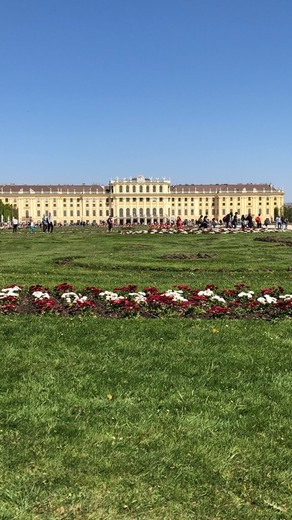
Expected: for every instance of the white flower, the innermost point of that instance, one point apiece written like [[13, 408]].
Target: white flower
[[267, 299], [70, 295], [175, 295], [248, 294], [218, 298], [82, 299], [207, 292], [262, 300], [40, 295], [286, 297], [12, 288], [138, 297]]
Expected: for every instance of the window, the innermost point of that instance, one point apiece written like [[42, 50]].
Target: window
[[127, 189], [64, 213], [160, 189], [71, 200], [71, 213], [147, 189], [127, 200], [121, 199], [141, 189], [87, 213], [154, 189], [134, 189], [38, 213], [78, 213], [121, 189]]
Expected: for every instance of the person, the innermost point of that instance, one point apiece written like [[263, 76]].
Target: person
[[110, 224], [258, 221], [234, 220], [279, 222], [243, 223], [50, 223], [31, 226], [14, 224], [179, 223], [213, 222], [266, 222], [44, 223], [249, 221]]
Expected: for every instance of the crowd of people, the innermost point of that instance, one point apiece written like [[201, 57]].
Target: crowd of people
[[229, 221], [243, 222]]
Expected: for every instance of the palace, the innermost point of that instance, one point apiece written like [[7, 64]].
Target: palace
[[140, 200]]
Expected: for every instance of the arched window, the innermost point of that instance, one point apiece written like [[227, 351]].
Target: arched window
[[148, 212], [154, 189], [141, 189], [154, 212], [147, 189], [161, 189], [127, 188], [134, 189], [161, 212], [121, 213], [128, 212], [134, 212], [121, 189]]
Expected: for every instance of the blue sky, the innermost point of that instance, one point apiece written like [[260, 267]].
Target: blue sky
[[198, 91]]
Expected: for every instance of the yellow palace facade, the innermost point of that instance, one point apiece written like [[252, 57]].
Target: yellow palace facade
[[140, 200]]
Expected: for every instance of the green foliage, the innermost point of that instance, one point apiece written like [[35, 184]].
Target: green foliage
[[287, 212], [7, 212]]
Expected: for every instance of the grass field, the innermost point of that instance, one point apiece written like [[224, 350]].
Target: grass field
[[145, 419]]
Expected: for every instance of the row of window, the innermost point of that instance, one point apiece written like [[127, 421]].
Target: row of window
[[141, 189]]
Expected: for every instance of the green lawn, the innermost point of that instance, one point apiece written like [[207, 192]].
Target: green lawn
[[144, 419]]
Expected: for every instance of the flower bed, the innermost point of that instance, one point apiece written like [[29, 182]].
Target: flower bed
[[127, 301], [164, 229]]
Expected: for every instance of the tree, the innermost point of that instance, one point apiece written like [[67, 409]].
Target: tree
[[7, 212]]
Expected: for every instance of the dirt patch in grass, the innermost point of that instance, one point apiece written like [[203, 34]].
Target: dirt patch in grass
[[281, 241], [64, 261], [187, 256]]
